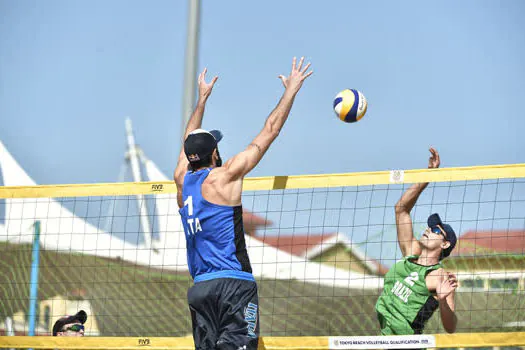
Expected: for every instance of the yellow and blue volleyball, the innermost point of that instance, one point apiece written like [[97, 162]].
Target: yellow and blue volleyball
[[350, 105]]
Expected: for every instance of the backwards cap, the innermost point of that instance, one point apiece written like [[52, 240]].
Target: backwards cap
[[200, 144]]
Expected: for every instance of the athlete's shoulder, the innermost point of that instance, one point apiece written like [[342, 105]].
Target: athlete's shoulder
[[216, 175], [437, 272], [221, 176], [435, 277]]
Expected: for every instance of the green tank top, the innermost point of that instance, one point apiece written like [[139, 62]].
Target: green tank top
[[406, 304]]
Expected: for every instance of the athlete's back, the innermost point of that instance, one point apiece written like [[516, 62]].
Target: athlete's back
[[214, 233]]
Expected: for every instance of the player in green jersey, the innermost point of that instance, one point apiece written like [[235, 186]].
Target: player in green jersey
[[417, 285]]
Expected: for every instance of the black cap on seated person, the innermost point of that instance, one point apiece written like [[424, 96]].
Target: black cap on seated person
[[79, 317], [200, 144], [434, 220]]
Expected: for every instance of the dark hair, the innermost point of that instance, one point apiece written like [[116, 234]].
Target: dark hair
[[205, 162], [445, 252]]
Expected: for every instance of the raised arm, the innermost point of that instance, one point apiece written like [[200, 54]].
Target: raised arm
[[241, 164], [405, 236], [445, 293], [195, 122]]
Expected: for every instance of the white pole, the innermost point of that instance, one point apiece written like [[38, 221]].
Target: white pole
[[135, 169], [191, 60], [9, 329]]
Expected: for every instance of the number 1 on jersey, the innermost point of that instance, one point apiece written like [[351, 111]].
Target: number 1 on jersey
[[193, 224], [189, 202]]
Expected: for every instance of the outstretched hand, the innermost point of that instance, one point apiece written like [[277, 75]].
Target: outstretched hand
[[433, 161], [298, 74], [204, 87]]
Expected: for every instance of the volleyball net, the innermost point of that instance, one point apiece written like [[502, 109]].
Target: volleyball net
[[319, 247]]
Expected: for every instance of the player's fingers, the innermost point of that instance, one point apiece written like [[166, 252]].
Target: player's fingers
[[283, 79], [300, 64], [202, 78], [293, 63], [308, 74], [306, 68], [214, 80]]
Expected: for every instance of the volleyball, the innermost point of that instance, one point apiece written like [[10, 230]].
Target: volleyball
[[350, 105]]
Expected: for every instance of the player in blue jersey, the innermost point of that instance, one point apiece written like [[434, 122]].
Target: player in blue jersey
[[223, 300]]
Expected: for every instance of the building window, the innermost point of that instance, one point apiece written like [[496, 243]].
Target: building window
[[504, 283], [476, 283], [47, 317]]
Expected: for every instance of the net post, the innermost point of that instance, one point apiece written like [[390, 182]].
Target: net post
[[33, 292]]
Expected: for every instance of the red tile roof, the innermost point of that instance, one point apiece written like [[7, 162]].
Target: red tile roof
[[252, 221], [296, 244], [491, 242], [381, 269], [301, 244]]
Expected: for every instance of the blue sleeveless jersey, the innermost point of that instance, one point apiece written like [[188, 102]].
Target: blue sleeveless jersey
[[214, 234]]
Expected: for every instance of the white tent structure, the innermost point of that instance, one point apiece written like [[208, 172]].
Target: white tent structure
[[61, 230]]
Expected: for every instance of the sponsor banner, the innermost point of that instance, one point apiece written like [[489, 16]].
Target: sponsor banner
[[383, 342]]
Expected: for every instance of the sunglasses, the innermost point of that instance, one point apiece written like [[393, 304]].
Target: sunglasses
[[437, 231], [74, 328]]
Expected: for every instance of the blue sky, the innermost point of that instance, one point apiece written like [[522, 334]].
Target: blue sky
[[448, 74]]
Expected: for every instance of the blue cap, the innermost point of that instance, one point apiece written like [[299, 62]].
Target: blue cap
[[434, 220]]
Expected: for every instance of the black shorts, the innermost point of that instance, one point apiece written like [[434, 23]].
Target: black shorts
[[224, 314]]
